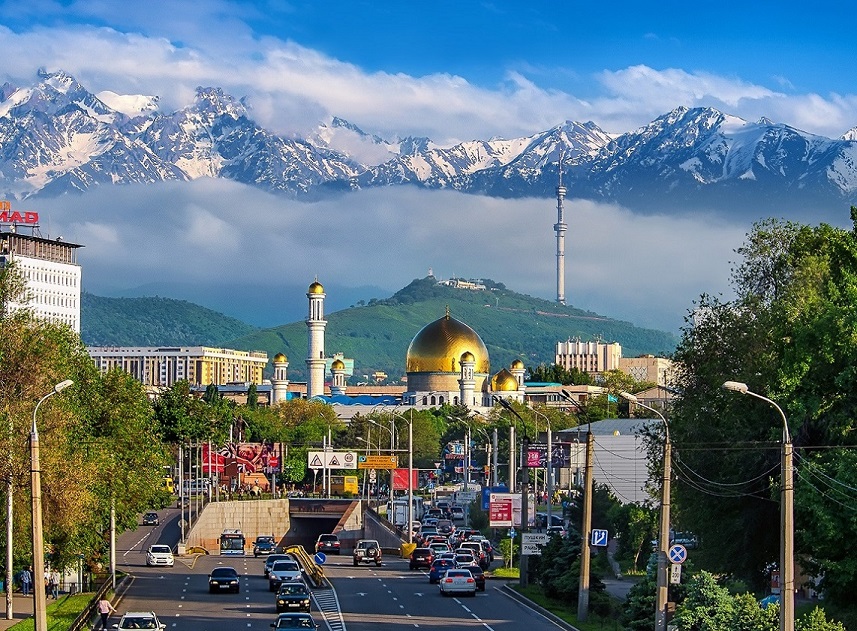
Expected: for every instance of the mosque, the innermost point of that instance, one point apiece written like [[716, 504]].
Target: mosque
[[446, 362]]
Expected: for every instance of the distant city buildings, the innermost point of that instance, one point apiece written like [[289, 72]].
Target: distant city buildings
[[595, 358], [199, 365], [49, 267]]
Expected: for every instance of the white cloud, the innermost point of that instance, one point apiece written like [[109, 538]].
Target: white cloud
[[618, 264]]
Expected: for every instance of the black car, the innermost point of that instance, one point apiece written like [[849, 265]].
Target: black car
[[293, 597], [294, 621], [478, 576], [223, 579], [421, 557], [151, 519], [329, 544], [263, 545]]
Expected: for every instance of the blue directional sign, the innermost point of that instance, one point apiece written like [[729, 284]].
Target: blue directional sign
[[677, 553], [512, 533], [320, 558], [599, 537]]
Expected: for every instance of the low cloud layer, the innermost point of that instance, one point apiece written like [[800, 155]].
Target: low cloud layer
[[212, 233]]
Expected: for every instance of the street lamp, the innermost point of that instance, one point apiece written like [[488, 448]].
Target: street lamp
[[787, 582], [664, 539], [549, 473], [40, 617], [410, 473]]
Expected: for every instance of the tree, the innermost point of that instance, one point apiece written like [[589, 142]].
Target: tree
[[707, 607]]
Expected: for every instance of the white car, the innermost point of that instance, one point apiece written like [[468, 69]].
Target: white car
[[284, 572], [457, 581], [159, 555], [140, 620]]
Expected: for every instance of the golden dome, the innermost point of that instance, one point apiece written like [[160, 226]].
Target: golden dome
[[439, 346], [279, 358], [316, 288], [504, 381], [517, 365], [467, 356], [337, 364]]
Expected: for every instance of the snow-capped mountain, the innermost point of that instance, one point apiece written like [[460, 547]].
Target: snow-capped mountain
[[57, 137]]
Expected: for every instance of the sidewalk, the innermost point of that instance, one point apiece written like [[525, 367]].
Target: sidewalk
[[22, 607]]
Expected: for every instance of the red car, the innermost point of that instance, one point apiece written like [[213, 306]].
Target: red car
[[422, 557]]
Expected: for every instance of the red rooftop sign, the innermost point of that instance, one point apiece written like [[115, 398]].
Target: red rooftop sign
[[7, 215]]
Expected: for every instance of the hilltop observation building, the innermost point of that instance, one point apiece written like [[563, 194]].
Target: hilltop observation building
[[48, 266]]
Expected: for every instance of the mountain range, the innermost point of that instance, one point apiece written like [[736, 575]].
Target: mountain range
[[57, 137]]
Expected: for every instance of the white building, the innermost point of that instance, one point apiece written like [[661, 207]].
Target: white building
[[49, 267]]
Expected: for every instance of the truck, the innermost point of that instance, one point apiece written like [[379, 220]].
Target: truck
[[400, 516]]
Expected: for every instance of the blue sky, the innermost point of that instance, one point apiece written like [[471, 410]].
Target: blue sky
[[452, 71]]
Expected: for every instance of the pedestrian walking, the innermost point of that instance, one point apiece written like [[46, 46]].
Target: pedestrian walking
[[54, 584], [26, 581], [104, 608]]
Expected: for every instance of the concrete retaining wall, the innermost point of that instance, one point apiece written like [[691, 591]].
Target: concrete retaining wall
[[252, 517]]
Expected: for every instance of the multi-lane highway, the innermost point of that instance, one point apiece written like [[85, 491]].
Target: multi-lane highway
[[390, 597]]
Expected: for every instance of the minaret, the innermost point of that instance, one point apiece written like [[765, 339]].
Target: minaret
[[315, 353], [560, 228], [280, 382], [467, 382], [337, 381]]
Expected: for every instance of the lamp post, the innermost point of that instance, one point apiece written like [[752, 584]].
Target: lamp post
[[410, 423], [787, 575], [549, 473], [664, 538], [40, 618]]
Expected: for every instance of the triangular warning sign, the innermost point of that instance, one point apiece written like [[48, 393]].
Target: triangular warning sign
[[334, 462], [316, 463]]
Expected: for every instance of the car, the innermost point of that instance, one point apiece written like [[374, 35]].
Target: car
[[294, 596], [151, 519], [264, 544], [367, 551], [158, 554], [445, 527], [439, 568], [457, 581], [223, 579], [457, 513], [329, 544], [284, 572], [294, 621], [479, 577], [421, 557], [464, 559], [139, 620], [474, 548], [440, 548], [559, 531], [273, 558]]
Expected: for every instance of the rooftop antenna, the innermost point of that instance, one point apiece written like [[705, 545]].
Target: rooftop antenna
[[560, 227]]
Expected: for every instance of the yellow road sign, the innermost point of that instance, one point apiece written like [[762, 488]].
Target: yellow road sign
[[377, 462]]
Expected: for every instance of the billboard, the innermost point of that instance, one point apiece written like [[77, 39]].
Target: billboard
[[400, 479], [537, 455], [501, 504], [252, 457]]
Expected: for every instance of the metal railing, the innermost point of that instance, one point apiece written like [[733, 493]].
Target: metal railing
[[83, 620]]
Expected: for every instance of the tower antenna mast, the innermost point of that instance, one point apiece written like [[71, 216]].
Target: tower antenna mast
[[560, 227]]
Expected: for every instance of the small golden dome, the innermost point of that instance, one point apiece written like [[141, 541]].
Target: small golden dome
[[337, 364], [517, 365], [316, 288], [467, 356], [438, 347], [504, 381], [280, 358]]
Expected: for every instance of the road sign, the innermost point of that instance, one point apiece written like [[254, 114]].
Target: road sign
[[532, 542], [512, 533], [320, 558], [675, 574], [677, 553], [373, 475], [599, 537], [332, 460], [377, 462]]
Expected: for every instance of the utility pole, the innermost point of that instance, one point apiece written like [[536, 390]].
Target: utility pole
[[583, 590], [525, 504]]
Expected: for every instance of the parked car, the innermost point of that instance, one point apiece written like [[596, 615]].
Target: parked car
[[329, 544], [151, 519], [284, 572], [293, 596], [159, 555], [139, 620], [457, 581], [421, 557], [439, 568], [294, 621], [223, 579], [367, 551], [264, 544]]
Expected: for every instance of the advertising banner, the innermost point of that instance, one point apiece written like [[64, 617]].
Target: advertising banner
[[561, 455], [400, 479], [500, 511], [515, 500], [250, 457]]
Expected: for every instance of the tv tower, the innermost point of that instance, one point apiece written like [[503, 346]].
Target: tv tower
[[560, 227]]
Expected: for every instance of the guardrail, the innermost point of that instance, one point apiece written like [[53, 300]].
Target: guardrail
[[311, 568]]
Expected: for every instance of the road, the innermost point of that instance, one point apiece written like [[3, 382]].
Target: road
[[390, 597]]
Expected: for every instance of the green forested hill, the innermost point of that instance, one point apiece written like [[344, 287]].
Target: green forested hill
[[376, 335], [154, 322]]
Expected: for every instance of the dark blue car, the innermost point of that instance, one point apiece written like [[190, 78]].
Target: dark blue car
[[439, 568]]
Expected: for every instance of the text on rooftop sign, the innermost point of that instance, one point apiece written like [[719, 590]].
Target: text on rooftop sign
[[7, 215]]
